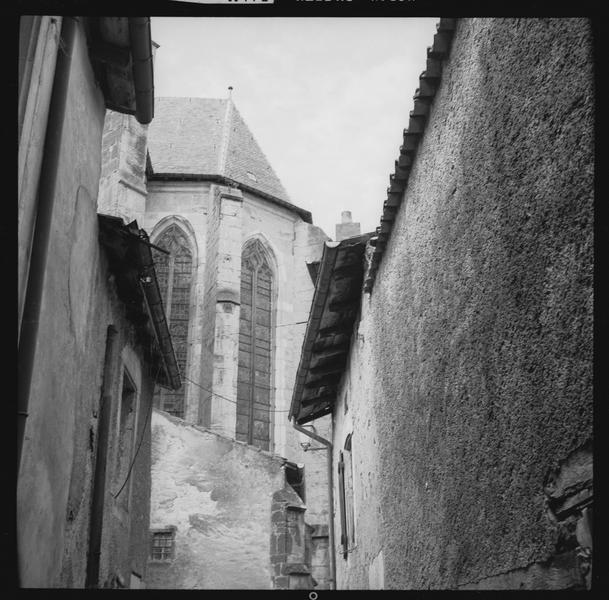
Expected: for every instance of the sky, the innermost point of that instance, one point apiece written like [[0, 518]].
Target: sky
[[326, 99]]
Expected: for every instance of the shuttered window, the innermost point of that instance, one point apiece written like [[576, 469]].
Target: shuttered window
[[255, 343], [174, 274], [345, 497]]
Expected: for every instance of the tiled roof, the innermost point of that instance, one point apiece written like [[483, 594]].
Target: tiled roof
[[429, 81], [208, 136], [336, 303]]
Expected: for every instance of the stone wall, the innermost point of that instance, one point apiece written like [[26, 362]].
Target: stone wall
[[218, 494], [186, 204], [122, 189], [471, 371]]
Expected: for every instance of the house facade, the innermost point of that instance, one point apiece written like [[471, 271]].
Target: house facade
[[453, 345]]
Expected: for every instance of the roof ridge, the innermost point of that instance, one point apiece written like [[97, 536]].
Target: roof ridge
[[225, 138], [209, 137], [267, 162]]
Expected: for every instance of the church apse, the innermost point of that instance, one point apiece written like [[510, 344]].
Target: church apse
[[250, 293]]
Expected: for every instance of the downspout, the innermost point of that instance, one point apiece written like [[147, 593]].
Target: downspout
[[143, 76], [40, 243], [328, 445]]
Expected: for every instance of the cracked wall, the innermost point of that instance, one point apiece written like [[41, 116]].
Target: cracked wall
[[217, 492]]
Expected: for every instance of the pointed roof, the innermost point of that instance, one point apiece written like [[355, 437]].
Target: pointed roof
[[208, 137]]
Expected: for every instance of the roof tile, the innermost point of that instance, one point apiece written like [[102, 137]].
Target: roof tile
[[208, 136]]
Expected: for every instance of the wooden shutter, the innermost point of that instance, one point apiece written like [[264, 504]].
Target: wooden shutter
[[255, 339], [341, 498]]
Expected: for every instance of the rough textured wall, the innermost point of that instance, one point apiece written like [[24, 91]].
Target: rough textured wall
[[478, 347], [355, 414], [217, 493]]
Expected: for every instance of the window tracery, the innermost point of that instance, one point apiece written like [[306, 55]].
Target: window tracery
[[255, 343], [174, 275]]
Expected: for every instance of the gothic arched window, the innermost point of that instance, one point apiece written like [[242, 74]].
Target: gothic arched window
[[174, 274], [255, 342]]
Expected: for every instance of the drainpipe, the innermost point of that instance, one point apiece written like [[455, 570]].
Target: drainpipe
[[143, 77], [42, 229], [328, 445]]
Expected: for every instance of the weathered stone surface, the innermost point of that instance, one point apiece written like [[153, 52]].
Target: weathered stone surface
[[221, 493], [471, 370], [562, 572]]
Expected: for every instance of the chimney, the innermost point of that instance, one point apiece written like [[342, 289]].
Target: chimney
[[346, 228]]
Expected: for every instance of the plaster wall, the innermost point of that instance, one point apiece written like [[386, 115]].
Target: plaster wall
[[217, 492], [38, 47], [78, 304], [470, 378]]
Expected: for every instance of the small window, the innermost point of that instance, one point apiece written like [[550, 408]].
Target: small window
[[162, 545], [251, 176]]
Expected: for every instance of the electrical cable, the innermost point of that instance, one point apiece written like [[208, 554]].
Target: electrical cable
[[223, 397], [140, 441]]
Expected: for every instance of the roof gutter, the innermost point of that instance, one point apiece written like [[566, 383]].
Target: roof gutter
[[154, 302], [328, 260], [143, 72], [227, 181], [142, 260]]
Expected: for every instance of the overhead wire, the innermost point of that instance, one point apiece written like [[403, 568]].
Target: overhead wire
[[140, 440], [224, 397]]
